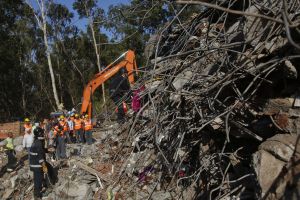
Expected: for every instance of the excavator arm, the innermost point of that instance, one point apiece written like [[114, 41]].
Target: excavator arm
[[126, 60]]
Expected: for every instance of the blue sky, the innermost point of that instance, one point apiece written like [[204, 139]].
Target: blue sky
[[81, 23]]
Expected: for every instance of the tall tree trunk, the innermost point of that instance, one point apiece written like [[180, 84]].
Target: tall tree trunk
[[91, 24], [43, 26]]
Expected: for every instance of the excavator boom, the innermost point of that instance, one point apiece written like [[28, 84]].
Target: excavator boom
[[126, 60]]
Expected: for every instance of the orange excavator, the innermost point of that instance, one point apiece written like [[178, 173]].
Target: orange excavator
[[126, 61]]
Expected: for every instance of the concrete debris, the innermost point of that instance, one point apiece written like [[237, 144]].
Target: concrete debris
[[7, 194], [272, 160], [162, 195], [227, 83], [74, 190]]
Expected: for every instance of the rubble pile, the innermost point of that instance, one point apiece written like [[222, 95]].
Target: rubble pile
[[222, 112], [84, 175]]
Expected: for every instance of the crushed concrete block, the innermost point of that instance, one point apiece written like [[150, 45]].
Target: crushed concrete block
[[13, 181], [7, 194], [162, 195], [270, 159], [181, 79], [74, 190], [290, 70], [19, 148]]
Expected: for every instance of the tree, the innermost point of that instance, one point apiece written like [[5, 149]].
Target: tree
[[88, 9], [40, 16], [134, 23]]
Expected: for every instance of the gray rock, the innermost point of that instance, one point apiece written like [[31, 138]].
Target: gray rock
[[182, 78], [74, 190], [7, 194], [19, 148], [141, 195], [25, 173], [13, 181], [276, 43], [161, 195], [269, 161], [290, 70]]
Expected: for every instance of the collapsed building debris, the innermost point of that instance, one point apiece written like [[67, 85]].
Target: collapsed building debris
[[220, 118], [220, 85]]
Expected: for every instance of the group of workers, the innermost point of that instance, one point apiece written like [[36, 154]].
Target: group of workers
[[49, 136], [62, 130]]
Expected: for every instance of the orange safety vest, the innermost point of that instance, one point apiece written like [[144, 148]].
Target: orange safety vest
[[57, 130], [124, 106], [27, 126], [77, 124], [64, 125], [88, 125]]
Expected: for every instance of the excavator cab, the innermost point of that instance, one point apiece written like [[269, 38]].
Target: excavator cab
[[126, 62]]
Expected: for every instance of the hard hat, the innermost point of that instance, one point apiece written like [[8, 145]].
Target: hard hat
[[86, 115], [62, 117], [26, 120], [76, 115]]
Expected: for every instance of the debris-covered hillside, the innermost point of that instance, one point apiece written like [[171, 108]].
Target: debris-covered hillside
[[222, 112], [220, 118]]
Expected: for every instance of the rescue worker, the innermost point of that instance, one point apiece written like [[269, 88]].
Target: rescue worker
[[78, 129], [82, 135], [65, 127], [27, 141], [10, 152], [88, 129], [36, 124], [27, 124], [38, 163], [121, 111], [118, 87], [51, 144], [42, 138], [60, 142], [71, 128]]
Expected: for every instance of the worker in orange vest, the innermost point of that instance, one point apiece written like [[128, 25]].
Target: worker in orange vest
[[65, 127], [88, 129], [78, 129], [60, 141], [27, 125]]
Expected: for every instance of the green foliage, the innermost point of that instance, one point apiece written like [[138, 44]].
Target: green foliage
[[25, 84]]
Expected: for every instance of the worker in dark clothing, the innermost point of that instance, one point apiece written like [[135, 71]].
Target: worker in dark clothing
[[60, 142], [37, 162], [119, 86]]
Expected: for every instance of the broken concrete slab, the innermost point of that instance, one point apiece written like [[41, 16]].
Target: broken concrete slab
[[7, 195], [181, 79], [162, 195], [74, 190], [271, 158]]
